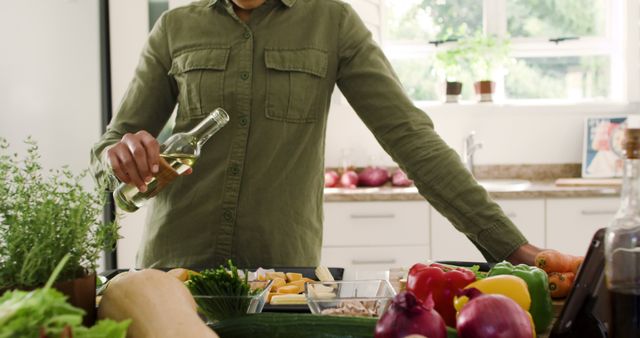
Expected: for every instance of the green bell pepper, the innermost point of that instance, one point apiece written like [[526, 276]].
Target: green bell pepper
[[538, 283]]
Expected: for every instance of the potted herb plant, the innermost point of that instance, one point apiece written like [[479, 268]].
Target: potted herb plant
[[450, 64], [45, 215], [488, 56]]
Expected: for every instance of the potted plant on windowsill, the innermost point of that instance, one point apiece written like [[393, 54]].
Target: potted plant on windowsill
[[450, 64], [45, 215], [488, 57]]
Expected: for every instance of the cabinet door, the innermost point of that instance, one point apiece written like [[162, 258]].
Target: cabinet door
[[450, 244], [571, 222], [373, 262], [376, 223]]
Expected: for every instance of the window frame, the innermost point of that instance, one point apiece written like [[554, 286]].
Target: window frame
[[621, 42]]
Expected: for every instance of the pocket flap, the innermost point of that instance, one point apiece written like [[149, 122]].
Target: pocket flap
[[312, 61], [211, 58]]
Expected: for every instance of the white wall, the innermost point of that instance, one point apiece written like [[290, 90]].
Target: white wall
[[510, 134], [50, 78], [129, 24]]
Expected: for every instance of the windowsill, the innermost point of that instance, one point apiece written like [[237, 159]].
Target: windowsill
[[530, 106]]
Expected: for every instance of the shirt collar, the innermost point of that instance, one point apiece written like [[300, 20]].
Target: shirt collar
[[288, 3]]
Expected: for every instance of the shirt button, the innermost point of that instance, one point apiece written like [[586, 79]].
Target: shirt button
[[235, 170], [246, 35], [244, 121], [244, 76], [228, 215]]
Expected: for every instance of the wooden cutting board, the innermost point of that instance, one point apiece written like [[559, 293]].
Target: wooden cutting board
[[588, 182]]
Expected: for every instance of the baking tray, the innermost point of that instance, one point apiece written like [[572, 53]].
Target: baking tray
[[484, 266], [308, 272]]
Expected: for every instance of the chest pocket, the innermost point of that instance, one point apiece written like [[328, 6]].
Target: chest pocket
[[200, 78], [295, 91]]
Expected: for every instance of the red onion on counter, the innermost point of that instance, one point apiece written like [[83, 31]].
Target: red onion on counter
[[492, 316], [349, 179], [373, 176], [407, 315], [400, 179], [331, 179]]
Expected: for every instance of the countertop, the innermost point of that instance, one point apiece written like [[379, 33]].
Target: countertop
[[537, 189], [542, 178]]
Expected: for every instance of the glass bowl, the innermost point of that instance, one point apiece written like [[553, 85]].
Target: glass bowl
[[360, 298], [215, 308]]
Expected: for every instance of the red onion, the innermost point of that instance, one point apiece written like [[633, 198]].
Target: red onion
[[331, 179], [492, 316], [373, 176], [400, 179], [349, 179], [407, 315]]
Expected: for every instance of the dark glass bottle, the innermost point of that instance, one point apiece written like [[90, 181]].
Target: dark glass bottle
[[622, 247]]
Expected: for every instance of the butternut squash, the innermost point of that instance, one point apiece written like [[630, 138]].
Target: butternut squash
[[158, 303]]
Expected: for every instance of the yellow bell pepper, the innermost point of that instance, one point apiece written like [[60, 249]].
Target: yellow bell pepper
[[506, 285]]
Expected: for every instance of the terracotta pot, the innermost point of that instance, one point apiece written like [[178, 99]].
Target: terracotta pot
[[453, 91], [80, 292], [484, 90]]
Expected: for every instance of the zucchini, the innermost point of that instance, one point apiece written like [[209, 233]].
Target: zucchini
[[285, 325]]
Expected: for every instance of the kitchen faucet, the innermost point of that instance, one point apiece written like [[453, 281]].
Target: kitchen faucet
[[469, 150]]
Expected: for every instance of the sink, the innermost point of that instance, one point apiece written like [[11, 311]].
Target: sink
[[505, 184]]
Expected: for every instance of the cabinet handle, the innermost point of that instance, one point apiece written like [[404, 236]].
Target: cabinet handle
[[365, 216], [597, 212], [370, 262]]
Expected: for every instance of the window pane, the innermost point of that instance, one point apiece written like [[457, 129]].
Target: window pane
[[575, 77], [555, 18], [417, 78], [422, 84], [427, 20]]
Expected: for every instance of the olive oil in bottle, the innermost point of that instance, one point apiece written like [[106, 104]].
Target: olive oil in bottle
[[622, 247], [178, 154]]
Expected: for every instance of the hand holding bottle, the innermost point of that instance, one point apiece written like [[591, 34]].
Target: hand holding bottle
[[145, 167], [135, 159]]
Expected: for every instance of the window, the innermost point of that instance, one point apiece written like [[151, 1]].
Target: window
[[558, 49]]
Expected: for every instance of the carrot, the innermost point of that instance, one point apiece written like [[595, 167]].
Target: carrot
[[560, 283], [555, 261], [576, 263]]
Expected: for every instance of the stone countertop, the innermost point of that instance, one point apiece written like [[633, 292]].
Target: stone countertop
[[541, 176], [537, 189]]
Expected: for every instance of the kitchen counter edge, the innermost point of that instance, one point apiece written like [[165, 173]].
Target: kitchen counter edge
[[541, 189]]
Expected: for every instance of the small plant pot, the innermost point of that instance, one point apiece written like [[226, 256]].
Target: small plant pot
[[484, 90], [453, 91], [81, 293]]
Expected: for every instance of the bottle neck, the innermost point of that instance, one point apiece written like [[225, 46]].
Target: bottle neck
[[209, 126], [630, 194]]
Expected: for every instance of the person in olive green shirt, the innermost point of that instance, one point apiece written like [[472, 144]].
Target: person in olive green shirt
[[256, 194]]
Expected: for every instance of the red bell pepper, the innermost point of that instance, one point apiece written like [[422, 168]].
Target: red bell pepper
[[442, 282]]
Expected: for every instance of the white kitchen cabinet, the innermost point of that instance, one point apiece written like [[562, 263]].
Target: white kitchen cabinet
[[372, 262], [365, 237], [376, 223], [571, 222], [447, 243]]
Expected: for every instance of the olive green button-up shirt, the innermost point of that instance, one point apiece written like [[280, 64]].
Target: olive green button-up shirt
[[256, 193]]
